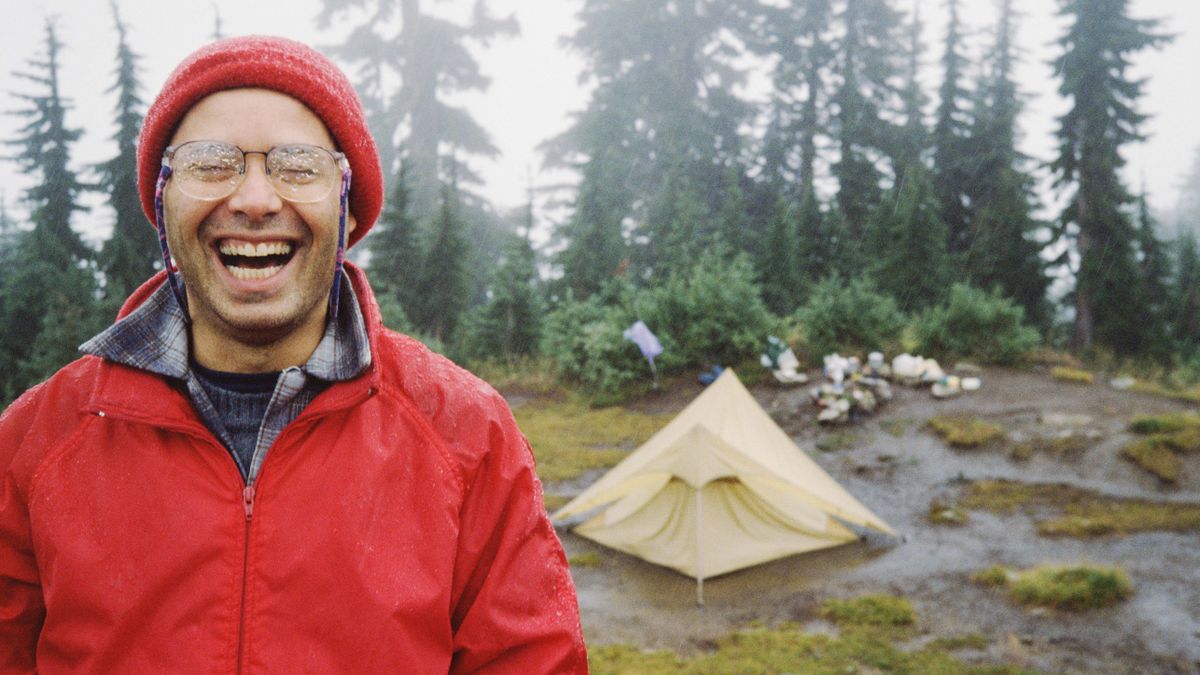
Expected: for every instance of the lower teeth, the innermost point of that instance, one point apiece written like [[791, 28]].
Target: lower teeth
[[248, 273]]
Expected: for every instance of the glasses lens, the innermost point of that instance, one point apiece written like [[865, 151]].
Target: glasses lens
[[302, 173], [208, 169]]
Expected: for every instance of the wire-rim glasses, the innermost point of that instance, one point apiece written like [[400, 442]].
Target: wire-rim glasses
[[213, 170]]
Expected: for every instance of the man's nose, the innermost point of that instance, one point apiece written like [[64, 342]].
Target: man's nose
[[255, 197]]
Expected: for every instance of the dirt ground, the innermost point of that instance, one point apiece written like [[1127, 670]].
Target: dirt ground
[[896, 466]]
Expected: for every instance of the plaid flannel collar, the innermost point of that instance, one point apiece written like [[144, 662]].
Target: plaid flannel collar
[[154, 338]]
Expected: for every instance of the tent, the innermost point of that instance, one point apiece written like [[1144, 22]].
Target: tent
[[718, 489]]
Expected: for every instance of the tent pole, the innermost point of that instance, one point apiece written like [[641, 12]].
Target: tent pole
[[699, 548]]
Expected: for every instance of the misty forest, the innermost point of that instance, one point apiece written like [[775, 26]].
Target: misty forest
[[858, 209]]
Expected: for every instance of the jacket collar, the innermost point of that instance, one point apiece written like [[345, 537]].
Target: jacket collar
[[146, 353]]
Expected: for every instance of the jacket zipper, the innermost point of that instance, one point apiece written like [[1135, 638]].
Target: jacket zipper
[[248, 504]]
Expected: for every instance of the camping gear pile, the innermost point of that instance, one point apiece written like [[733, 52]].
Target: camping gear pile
[[779, 358], [916, 371], [851, 389], [720, 488]]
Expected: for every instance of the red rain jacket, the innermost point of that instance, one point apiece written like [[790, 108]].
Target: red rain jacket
[[396, 526]]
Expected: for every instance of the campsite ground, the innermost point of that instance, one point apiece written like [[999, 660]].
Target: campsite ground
[[896, 466]]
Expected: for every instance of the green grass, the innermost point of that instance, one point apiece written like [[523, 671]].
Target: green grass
[[1158, 424], [789, 649], [1186, 393], [1075, 375], [876, 611], [1071, 588], [569, 438], [588, 559], [1154, 456], [996, 575], [965, 432], [896, 427], [1063, 511]]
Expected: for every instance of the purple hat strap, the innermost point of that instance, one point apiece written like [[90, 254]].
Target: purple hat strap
[[335, 293], [160, 225]]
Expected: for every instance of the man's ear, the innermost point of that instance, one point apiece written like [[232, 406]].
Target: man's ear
[[351, 223]]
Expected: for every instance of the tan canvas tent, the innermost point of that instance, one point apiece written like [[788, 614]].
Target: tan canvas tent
[[720, 488]]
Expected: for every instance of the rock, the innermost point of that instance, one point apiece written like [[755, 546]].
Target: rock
[[1122, 383]]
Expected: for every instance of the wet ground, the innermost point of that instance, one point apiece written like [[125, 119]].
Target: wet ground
[[896, 466]]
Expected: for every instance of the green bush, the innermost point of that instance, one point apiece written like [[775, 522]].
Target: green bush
[[586, 343], [975, 324], [712, 313], [850, 317]]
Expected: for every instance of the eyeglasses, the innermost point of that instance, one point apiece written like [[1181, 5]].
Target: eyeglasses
[[212, 170]]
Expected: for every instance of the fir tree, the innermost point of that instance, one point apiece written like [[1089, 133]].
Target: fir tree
[[1003, 252], [444, 288], [909, 241], [1185, 294], [47, 292], [1097, 48], [1154, 270], [406, 79], [130, 255], [778, 269], [396, 255], [951, 157], [867, 64], [913, 138]]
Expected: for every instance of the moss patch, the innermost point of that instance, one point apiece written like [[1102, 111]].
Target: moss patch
[[1059, 446], [1191, 394], [941, 513], [1065, 511], [1075, 375], [1154, 456], [1158, 424], [588, 559], [1072, 588], [788, 649], [996, 575], [870, 610], [965, 432], [568, 438]]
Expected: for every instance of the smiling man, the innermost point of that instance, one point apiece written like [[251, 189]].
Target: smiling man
[[247, 472]]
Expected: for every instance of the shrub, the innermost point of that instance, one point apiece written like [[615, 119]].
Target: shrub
[[1072, 588], [851, 317], [978, 325], [713, 313], [585, 341]]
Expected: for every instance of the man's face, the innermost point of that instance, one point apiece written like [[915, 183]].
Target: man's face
[[249, 298]]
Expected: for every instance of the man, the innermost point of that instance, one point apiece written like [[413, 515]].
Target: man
[[247, 472]]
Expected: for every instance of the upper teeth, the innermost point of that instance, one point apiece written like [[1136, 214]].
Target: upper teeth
[[256, 250]]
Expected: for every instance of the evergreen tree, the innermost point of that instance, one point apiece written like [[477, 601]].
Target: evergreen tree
[[407, 77], [396, 255], [1187, 211], [662, 123], [1003, 251], [47, 291], [951, 158], [867, 64], [1097, 48], [1185, 294], [444, 287], [1154, 270], [130, 255], [909, 240], [778, 269], [509, 325], [913, 138]]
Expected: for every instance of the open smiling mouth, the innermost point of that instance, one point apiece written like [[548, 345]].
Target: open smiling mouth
[[255, 261]]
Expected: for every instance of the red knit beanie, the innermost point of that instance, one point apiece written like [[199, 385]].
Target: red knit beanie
[[281, 65]]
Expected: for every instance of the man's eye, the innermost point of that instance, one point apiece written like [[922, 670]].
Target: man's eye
[[297, 175], [211, 170]]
